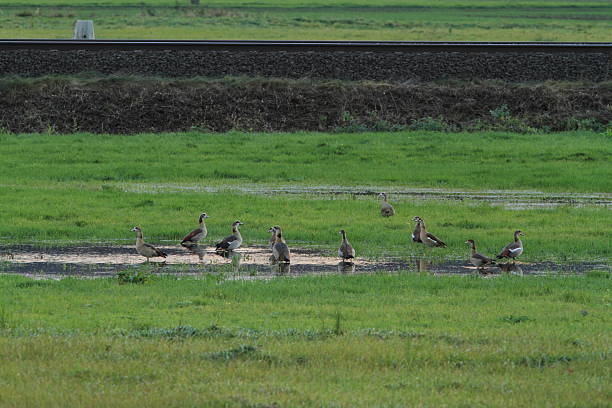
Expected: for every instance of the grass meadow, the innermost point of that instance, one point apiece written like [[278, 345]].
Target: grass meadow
[[382, 339], [61, 189], [537, 20], [377, 340]]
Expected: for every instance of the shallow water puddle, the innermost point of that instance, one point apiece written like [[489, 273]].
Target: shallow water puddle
[[515, 200], [246, 263]]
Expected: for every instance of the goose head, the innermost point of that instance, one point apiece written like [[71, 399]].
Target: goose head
[[417, 219], [136, 229], [236, 224], [383, 196], [470, 242], [272, 229], [518, 233], [204, 215]]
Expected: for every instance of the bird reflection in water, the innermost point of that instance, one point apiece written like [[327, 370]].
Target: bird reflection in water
[[421, 264], [280, 268], [236, 258], [346, 267], [513, 268], [196, 250]]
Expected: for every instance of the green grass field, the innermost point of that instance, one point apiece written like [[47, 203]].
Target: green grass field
[[318, 20], [380, 340], [58, 189]]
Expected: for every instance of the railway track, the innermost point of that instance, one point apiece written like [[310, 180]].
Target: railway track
[[324, 46]]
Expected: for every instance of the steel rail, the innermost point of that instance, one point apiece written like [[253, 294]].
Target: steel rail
[[328, 46]]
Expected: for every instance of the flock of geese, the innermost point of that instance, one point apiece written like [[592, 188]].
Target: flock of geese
[[281, 253]]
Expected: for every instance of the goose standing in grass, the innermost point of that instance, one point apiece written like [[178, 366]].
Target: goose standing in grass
[[416, 234], [144, 249], [231, 242], [280, 250], [197, 234], [386, 209], [426, 238], [273, 237], [346, 250], [478, 260], [513, 249]]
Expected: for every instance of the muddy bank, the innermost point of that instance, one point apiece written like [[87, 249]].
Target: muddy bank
[[147, 105], [246, 263], [345, 65]]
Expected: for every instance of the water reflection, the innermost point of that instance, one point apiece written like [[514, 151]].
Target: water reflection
[[512, 268], [236, 258], [280, 268], [345, 267], [421, 264], [196, 250]]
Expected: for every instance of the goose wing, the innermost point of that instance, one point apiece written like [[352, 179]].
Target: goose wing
[[227, 241], [347, 251], [157, 251], [387, 210], [416, 234], [485, 259], [281, 252], [508, 250], [192, 234], [435, 240]]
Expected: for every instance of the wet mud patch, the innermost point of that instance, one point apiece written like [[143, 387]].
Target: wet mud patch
[[245, 263]]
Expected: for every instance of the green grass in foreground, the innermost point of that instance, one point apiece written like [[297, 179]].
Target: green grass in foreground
[[89, 188], [380, 340], [319, 20]]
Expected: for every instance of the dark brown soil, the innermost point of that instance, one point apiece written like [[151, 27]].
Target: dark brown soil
[[344, 65], [132, 105]]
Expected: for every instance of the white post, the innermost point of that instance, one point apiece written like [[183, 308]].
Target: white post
[[83, 30]]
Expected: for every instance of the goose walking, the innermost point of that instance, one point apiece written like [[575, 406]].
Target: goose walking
[[280, 250], [144, 249], [478, 260], [231, 242], [426, 238], [513, 249], [197, 234], [386, 209], [416, 234], [346, 250]]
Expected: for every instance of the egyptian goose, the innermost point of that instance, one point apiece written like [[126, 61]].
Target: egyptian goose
[[416, 234], [428, 239], [197, 234], [513, 249], [346, 250], [280, 250], [386, 209], [233, 241], [478, 260], [273, 237], [144, 249]]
